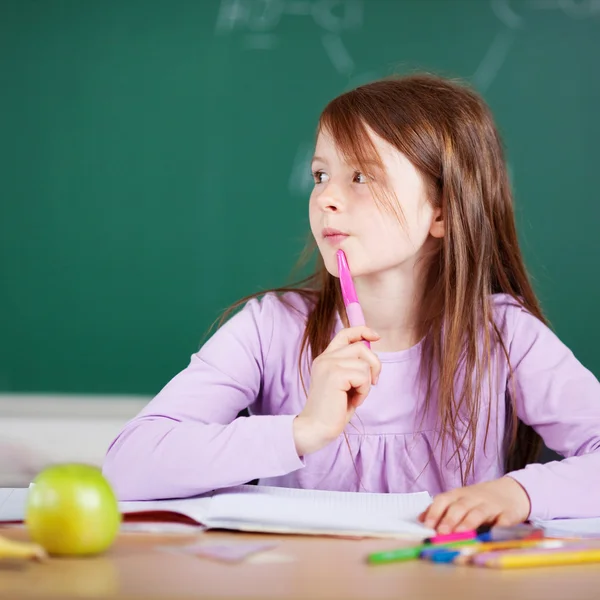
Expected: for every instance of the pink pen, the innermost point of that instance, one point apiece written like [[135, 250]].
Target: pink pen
[[353, 309], [457, 536]]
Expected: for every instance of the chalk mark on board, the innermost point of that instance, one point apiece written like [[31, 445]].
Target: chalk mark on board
[[230, 11], [255, 15], [258, 19], [577, 9], [504, 11], [324, 15], [300, 181], [498, 51], [494, 59], [338, 54]]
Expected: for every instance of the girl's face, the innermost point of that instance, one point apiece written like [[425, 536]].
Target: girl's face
[[344, 214]]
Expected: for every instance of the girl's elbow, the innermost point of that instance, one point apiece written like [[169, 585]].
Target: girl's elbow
[[126, 469]]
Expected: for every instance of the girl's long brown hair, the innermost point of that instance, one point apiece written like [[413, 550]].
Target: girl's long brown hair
[[448, 133]]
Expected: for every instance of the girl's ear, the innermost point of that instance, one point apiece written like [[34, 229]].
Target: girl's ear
[[437, 229]]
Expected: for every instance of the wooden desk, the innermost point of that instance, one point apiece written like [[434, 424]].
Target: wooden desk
[[300, 568]]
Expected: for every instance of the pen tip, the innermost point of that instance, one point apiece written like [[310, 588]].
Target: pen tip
[[342, 261]]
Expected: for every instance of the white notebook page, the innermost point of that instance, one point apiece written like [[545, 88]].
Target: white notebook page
[[571, 527], [264, 508], [13, 502]]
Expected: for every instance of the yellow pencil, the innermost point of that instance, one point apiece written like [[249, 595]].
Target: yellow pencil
[[466, 554], [543, 559]]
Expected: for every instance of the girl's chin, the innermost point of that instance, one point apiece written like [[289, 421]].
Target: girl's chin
[[332, 269]]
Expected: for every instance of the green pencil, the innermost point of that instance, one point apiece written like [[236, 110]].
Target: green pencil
[[412, 552]]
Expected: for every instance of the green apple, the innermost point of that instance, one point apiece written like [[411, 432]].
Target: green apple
[[72, 510]]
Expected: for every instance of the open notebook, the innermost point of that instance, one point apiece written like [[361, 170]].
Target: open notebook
[[287, 510], [273, 509]]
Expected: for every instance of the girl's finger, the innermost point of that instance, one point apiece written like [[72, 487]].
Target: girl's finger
[[478, 515], [359, 350], [360, 385], [436, 510], [353, 372], [350, 335], [454, 514]]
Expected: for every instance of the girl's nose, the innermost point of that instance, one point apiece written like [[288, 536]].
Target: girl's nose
[[331, 200]]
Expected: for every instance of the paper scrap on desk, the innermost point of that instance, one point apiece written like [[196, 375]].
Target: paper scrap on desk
[[227, 552]]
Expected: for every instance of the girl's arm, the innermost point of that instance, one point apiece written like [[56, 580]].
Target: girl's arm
[[188, 439], [560, 399]]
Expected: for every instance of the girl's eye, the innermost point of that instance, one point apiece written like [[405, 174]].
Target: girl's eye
[[322, 177], [319, 177], [360, 177]]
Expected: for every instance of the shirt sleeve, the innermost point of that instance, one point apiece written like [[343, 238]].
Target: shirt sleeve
[[560, 399], [188, 440]]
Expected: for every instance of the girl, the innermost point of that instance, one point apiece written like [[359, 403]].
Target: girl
[[462, 377]]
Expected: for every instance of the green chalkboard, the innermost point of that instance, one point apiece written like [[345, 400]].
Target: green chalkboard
[[154, 161]]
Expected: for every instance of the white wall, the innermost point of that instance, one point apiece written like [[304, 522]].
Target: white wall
[[36, 431]]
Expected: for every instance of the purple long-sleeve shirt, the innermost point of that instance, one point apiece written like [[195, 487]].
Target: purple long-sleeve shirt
[[189, 440]]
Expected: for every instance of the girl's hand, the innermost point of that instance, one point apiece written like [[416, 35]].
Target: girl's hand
[[340, 381], [500, 502]]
